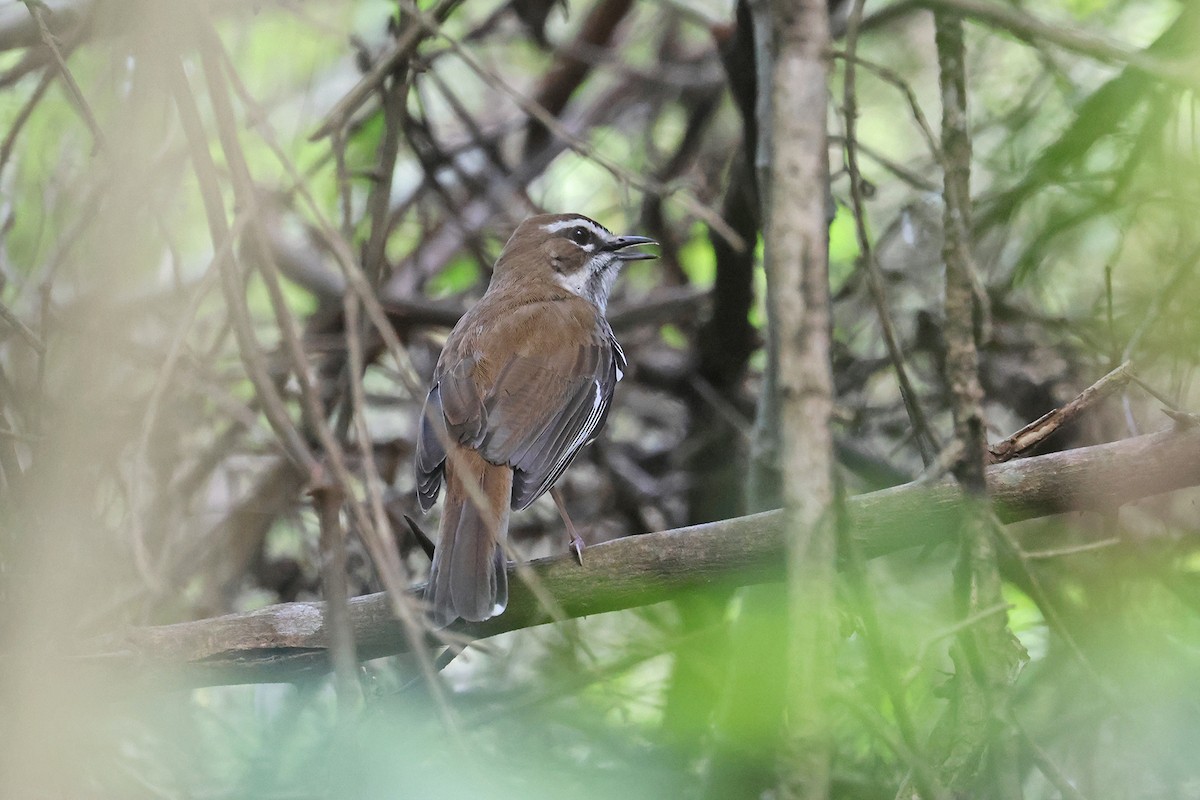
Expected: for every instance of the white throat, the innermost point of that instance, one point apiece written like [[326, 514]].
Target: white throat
[[594, 281]]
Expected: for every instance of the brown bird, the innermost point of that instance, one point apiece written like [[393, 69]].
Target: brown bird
[[523, 383]]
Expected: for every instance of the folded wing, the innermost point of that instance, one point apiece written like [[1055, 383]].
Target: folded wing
[[539, 411]]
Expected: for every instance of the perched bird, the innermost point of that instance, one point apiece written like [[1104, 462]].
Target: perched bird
[[523, 383]]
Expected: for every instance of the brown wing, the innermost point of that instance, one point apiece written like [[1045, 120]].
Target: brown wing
[[572, 387], [453, 412]]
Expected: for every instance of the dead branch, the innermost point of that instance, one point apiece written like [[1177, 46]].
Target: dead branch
[[1046, 425]]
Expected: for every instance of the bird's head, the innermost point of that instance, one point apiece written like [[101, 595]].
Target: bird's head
[[571, 250]]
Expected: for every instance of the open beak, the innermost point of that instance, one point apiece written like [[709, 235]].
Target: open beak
[[621, 242]]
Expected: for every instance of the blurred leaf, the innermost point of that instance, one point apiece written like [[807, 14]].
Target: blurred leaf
[[697, 257], [458, 276]]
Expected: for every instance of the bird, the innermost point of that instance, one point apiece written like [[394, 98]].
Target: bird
[[524, 381]]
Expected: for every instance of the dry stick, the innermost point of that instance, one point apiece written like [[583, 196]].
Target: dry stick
[[403, 49], [327, 500], [290, 639], [392, 100], [1046, 765], [386, 558], [249, 349], [1036, 432], [1053, 619], [950, 630], [26, 332], [73, 91], [927, 442], [356, 281], [18, 123], [248, 346], [478, 137], [919, 767], [337, 144], [141, 556], [552, 124], [430, 157], [358, 405], [1060, 552], [890, 76], [355, 276], [497, 195], [923, 775], [1023, 441], [380, 542], [382, 528], [909, 176]]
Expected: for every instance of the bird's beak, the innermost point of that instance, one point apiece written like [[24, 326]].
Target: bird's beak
[[621, 242]]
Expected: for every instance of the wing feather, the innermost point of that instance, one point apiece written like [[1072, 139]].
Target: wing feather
[[538, 412]]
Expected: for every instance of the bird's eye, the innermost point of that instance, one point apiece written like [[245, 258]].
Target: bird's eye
[[579, 236]]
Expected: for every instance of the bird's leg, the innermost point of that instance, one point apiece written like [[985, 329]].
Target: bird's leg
[[576, 544]]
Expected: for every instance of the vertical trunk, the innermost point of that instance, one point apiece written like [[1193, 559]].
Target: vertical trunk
[[796, 247], [974, 733]]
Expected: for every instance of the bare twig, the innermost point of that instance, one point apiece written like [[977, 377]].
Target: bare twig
[[850, 54], [154, 405], [1094, 45], [1042, 428], [214, 207], [1060, 552], [339, 248], [18, 123], [20, 327], [552, 124], [37, 9], [904, 173], [327, 500], [383, 550], [1047, 766], [388, 64], [927, 442]]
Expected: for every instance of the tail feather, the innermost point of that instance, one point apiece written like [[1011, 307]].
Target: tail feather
[[469, 576]]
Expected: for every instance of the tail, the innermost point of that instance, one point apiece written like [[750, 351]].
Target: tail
[[469, 576]]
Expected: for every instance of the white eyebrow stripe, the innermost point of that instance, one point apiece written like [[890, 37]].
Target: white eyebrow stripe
[[562, 224]]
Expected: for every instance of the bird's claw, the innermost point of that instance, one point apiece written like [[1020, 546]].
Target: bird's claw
[[577, 547]]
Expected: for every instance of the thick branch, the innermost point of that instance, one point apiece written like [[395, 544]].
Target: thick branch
[[285, 641]]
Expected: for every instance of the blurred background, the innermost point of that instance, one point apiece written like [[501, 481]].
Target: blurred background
[[233, 237]]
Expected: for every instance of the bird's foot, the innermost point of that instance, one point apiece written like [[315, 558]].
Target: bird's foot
[[577, 547]]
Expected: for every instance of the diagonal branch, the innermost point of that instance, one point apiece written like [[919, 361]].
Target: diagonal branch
[[288, 641]]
